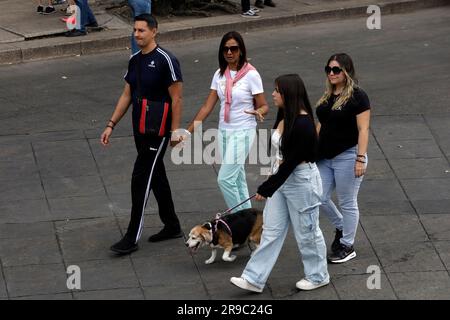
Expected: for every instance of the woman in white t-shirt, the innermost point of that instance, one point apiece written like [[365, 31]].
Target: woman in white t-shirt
[[239, 88]]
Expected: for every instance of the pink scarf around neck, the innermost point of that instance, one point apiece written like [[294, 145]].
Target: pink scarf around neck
[[230, 83]]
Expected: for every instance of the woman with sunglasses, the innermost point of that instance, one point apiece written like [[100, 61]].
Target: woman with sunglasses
[[344, 114], [293, 191], [239, 88]]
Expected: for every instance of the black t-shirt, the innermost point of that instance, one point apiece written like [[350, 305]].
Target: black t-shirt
[[338, 128], [302, 148], [159, 69]]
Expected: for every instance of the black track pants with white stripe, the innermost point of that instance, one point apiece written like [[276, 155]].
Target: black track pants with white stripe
[[149, 174]]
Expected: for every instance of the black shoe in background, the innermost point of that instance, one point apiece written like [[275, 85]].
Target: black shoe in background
[[342, 254], [124, 246], [40, 9], [259, 4], [49, 10], [270, 3], [75, 33], [165, 234], [337, 241], [92, 25]]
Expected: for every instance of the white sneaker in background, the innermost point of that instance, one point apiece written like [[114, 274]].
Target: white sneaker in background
[[250, 14]]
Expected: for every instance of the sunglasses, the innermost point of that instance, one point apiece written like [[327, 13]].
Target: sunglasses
[[336, 70], [233, 49]]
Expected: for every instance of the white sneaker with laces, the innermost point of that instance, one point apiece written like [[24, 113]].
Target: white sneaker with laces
[[250, 14], [255, 9], [244, 284], [308, 285]]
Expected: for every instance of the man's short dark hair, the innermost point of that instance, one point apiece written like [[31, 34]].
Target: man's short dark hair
[[147, 17]]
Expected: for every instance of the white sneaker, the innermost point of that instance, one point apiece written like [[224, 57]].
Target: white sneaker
[[255, 9], [250, 14], [244, 284], [308, 285]]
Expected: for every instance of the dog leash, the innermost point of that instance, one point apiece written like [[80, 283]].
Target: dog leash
[[221, 214]]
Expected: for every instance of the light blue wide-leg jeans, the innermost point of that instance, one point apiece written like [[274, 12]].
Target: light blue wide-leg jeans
[[297, 202]]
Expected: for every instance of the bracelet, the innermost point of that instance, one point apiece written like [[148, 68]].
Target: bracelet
[[361, 155], [357, 160], [112, 122], [109, 126]]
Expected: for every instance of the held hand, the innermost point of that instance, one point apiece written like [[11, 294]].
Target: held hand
[[174, 143], [175, 140], [104, 139], [259, 197], [179, 135], [360, 169], [257, 114]]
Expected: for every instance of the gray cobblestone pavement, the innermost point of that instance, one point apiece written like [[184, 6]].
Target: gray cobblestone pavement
[[64, 199]]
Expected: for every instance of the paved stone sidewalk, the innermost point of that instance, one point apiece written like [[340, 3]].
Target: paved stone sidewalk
[[64, 199], [26, 35]]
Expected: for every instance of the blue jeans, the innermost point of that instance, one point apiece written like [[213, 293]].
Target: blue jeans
[[86, 15], [138, 7], [339, 173], [234, 146], [296, 201]]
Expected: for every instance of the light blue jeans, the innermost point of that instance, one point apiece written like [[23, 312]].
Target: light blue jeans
[[138, 7], [86, 15], [339, 173], [296, 201], [234, 146]]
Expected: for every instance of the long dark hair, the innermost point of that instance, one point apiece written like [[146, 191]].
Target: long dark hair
[[295, 99], [242, 57]]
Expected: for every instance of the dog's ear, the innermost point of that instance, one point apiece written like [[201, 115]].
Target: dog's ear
[[207, 225]]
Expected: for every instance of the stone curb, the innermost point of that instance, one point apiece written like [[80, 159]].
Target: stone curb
[[119, 39], [201, 32]]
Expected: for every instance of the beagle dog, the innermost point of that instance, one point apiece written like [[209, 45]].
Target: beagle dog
[[227, 232]]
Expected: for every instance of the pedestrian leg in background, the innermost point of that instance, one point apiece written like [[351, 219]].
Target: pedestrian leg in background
[[87, 19], [138, 7], [247, 12]]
